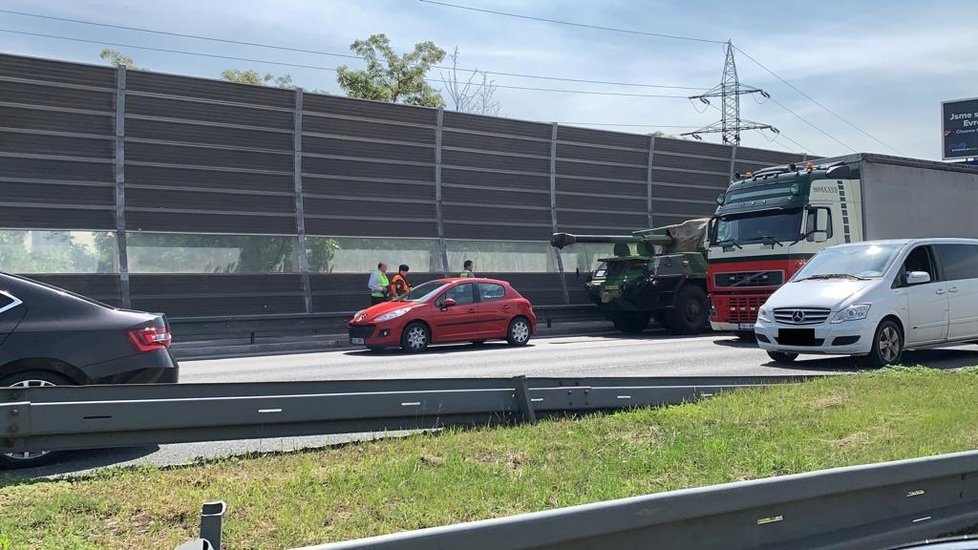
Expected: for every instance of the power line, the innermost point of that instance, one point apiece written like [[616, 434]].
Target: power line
[[330, 54], [678, 37], [813, 125], [572, 24], [800, 146], [624, 125], [816, 102], [303, 66]]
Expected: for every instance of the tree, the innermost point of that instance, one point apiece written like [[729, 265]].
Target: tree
[[475, 95], [252, 77], [117, 59], [390, 77]]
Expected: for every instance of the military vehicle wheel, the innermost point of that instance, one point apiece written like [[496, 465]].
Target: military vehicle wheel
[[632, 322], [690, 313]]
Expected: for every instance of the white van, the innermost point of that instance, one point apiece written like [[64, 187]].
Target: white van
[[875, 299]]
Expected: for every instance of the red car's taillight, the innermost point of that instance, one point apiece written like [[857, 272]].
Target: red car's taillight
[[150, 338]]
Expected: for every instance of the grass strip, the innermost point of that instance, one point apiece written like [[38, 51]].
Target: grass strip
[[372, 488]]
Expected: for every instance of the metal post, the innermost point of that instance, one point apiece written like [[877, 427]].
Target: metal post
[[648, 182], [553, 210], [120, 184], [211, 519], [733, 163], [300, 216], [523, 396], [442, 245]]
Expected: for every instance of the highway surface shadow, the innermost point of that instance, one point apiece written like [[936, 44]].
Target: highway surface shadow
[[76, 462], [937, 358], [436, 349]]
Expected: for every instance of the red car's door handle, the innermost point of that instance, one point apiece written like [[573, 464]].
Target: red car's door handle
[[471, 310], [506, 307]]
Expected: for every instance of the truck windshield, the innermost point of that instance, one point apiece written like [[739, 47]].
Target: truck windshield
[[755, 227], [861, 261]]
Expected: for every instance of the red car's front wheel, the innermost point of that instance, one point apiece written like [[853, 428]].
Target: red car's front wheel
[[415, 338]]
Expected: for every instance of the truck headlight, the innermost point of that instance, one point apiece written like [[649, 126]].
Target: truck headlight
[[852, 313], [764, 314]]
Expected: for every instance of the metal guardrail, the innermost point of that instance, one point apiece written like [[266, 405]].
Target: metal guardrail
[[84, 417], [255, 327], [873, 506]]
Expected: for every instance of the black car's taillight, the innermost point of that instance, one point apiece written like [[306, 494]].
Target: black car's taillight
[[150, 338]]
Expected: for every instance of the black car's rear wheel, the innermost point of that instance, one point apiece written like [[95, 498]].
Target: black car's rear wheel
[[30, 379]]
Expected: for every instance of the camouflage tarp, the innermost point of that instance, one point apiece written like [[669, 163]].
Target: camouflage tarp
[[689, 236]]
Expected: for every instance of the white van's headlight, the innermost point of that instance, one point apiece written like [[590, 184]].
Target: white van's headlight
[[764, 314], [852, 313]]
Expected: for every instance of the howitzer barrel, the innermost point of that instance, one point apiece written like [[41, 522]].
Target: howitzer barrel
[[560, 240]]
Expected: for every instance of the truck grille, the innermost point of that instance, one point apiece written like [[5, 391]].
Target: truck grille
[[801, 315], [749, 279], [744, 310]]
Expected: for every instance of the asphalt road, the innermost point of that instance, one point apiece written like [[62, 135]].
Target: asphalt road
[[608, 355], [653, 354]]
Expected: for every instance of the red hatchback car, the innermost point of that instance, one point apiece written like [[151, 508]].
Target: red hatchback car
[[447, 310]]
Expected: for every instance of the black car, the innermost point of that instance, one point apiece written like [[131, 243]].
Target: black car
[[50, 336]]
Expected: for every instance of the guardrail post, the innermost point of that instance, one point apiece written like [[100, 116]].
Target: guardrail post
[[523, 396], [211, 520]]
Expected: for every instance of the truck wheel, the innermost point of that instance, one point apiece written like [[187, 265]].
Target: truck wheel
[[631, 322], [690, 313], [887, 346], [782, 356]]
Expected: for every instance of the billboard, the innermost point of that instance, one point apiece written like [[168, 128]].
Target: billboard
[[960, 124]]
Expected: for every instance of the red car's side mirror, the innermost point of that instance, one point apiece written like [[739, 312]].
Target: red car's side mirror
[[448, 303]]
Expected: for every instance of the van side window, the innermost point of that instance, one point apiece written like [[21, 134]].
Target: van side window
[[960, 261], [919, 260]]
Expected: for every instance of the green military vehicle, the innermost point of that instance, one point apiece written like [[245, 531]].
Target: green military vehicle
[[655, 273]]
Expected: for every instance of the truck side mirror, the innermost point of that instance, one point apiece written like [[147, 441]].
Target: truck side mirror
[[819, 225]]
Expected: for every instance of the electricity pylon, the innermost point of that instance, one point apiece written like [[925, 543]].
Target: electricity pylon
[[729, 91]]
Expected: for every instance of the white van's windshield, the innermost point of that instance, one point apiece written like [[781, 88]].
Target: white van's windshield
[[866, 261]]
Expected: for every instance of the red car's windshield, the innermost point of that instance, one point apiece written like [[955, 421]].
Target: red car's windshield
[[422, 292]]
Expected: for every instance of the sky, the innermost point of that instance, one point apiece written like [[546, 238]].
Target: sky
[[874, 72]]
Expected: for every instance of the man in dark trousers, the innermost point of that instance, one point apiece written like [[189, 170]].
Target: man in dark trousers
[[467, 269], [378, 284], [399, 284]]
